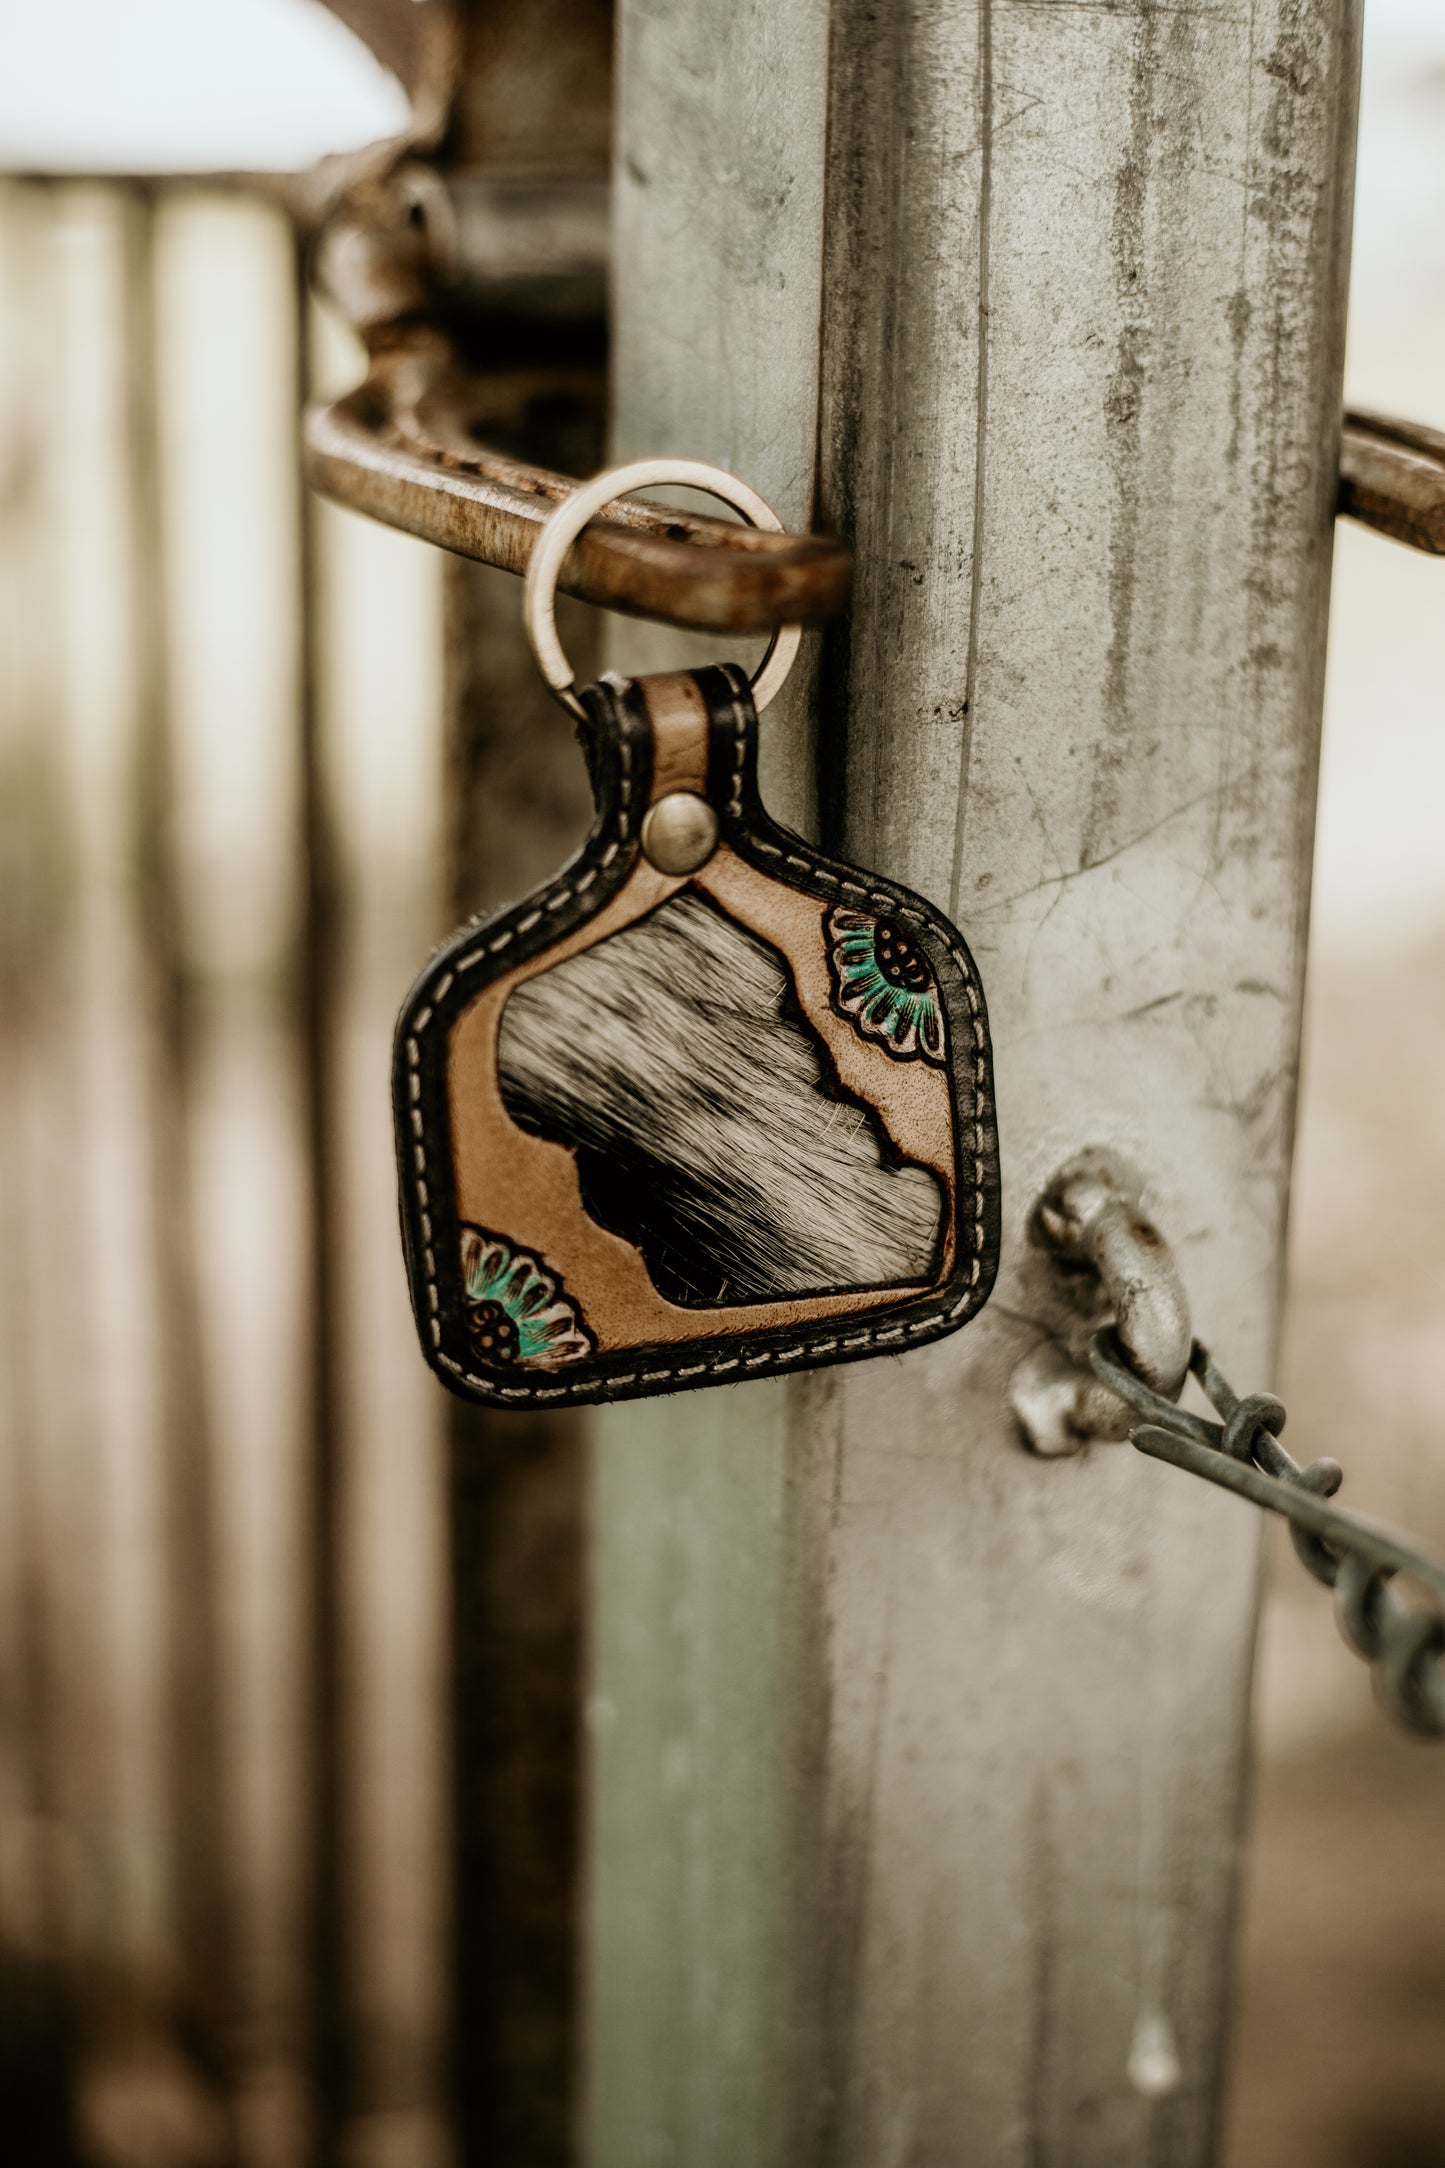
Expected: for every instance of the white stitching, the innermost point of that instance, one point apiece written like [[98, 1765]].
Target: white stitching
[[740, 745]]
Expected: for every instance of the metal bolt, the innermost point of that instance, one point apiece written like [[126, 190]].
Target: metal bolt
[[1090, 1216], [679, 833]]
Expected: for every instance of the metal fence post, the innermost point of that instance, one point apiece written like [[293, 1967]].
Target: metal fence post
[[917, 1763]]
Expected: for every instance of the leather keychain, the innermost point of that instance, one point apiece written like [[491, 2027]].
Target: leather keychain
[[709, 1106]]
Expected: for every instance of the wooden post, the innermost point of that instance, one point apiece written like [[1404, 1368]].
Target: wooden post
[[917, 1763], [534, 100], [518, 800]]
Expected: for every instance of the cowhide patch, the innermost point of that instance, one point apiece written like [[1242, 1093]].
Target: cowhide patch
[[708, 1126]]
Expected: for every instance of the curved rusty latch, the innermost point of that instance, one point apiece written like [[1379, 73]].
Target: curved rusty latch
[[405, 448], [436, 444], [401, 449], [479, 293], [1392, 478]]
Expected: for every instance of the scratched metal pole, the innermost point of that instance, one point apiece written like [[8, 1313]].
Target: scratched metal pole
[[917, 1763]]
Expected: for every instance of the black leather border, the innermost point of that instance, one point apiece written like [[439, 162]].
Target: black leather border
[[620, 754]]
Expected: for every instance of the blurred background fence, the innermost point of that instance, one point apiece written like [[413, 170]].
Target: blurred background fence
[[221, 1566], [225, 1778]]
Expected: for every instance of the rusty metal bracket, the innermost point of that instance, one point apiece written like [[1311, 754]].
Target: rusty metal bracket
[[481, 301], [1392, 478], [403, 449], [1091, 1221]]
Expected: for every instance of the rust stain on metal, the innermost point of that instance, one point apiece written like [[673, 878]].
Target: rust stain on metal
[[400, 449], [1392, 478], [467, 383]]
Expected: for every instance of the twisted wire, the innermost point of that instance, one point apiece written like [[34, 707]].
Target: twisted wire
[[1403, 1641]]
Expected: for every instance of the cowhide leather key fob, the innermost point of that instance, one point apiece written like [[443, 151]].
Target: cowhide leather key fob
[[711, 1106]]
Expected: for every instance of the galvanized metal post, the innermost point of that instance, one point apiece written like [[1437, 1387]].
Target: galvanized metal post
[[917, 1763]]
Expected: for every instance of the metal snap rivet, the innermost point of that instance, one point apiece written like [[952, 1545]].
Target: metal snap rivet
[[679, 833]]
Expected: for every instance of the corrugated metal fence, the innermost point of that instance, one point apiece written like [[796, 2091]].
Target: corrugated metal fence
[[221, 1475]]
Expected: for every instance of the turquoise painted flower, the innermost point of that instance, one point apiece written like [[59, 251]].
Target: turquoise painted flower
[[516, 1309], [883, 983]]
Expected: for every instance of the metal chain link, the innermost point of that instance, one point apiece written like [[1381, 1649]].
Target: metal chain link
[[1090, 1220], [1358, 1559]]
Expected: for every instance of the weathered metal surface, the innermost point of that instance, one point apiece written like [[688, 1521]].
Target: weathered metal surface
[[1392, 478], [915, 1777]]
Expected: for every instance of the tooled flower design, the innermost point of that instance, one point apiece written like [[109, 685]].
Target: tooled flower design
[[884, 983], [516, 1309]]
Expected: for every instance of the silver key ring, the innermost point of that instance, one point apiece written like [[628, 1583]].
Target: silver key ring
[[561, 528]]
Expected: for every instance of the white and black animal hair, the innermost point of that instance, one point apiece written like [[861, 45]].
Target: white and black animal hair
[[709, 1127]]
